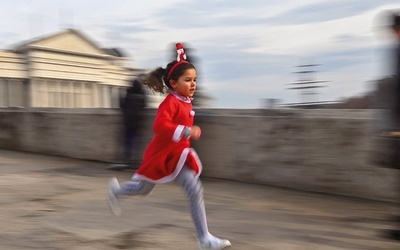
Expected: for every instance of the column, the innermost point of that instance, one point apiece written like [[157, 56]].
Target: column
[[33, 93], [58, 94], [72, 93]]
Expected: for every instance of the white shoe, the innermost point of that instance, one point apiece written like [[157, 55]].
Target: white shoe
[[112, 198], [213, 243]]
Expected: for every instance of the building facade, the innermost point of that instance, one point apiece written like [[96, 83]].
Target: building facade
[[64, 70]]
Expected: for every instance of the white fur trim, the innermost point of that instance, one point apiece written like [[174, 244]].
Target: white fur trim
[[178, 168], [178, 133]]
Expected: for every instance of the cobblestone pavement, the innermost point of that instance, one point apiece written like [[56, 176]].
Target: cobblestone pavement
[[59, 203]]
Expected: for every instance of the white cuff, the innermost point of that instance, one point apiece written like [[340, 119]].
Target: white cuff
[[178, 133]]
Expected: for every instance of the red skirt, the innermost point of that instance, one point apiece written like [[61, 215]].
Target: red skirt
[[159, 167]]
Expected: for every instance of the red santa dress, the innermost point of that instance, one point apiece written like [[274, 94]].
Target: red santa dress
[[168, 151]]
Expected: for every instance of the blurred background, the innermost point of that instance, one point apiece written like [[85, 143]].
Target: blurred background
[[255, 51]]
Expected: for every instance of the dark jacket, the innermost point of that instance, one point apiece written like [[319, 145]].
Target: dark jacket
[[133, 105], [397, 68]]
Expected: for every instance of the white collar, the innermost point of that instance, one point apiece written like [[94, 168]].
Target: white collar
[[182, 98]]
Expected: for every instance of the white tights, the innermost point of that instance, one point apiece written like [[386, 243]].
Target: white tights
[[194, 191]]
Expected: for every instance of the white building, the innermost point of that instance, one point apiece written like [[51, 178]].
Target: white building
[[64, 70]]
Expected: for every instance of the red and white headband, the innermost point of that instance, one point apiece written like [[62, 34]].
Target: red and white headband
[[181, 58]]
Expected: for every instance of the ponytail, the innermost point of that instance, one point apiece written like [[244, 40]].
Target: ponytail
[[154, 80], [158, 79]]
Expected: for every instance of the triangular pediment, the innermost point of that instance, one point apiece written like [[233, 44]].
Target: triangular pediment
[[68, 40]]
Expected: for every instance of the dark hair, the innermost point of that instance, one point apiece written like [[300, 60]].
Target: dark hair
[[156, 79]]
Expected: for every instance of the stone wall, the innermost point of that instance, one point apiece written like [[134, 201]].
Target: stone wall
[[331, 151]]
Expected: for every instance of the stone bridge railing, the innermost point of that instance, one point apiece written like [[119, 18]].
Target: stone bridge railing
[[331, 151]]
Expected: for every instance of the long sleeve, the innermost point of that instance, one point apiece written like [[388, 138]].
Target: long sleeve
[[172, 117], [164, 126]]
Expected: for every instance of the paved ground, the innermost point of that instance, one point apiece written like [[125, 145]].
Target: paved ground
[[58, 203]]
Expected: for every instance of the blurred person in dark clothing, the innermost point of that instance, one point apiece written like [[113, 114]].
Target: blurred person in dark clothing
[[133, 106], [396, 70], [395, 134]]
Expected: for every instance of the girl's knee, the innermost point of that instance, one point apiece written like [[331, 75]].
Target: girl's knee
[[195, 187], [147, 187]]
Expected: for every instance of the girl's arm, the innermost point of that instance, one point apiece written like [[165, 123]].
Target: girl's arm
[[163, 124], [166, 128]]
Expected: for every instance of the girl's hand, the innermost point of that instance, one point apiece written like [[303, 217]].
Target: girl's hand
[[195, 132]]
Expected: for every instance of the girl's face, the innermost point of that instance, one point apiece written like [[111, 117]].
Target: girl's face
[[186, 84]]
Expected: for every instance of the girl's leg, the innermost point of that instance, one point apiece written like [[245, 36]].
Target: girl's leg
[[194, 191], [127, 188], [134, 188]]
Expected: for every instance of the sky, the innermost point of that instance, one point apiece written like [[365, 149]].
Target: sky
[[246, 51]]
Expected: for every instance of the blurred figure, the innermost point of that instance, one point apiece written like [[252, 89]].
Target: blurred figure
[[396, 70], [395, 135], [133, 106]]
